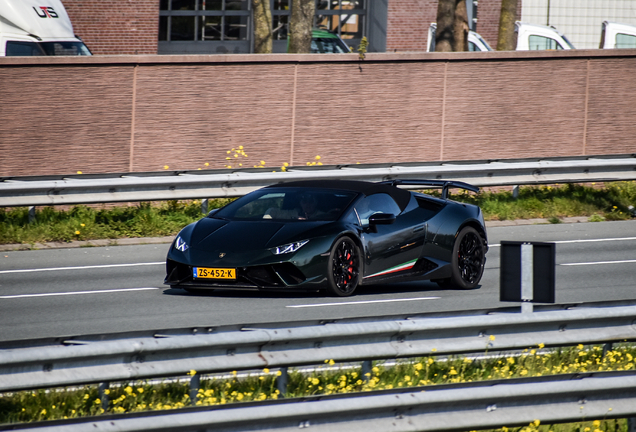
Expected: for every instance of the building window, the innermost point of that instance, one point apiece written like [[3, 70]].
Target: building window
[[344, 17], [204, 20], [225, 26]]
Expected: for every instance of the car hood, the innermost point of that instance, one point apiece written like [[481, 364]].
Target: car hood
[[235, 236]]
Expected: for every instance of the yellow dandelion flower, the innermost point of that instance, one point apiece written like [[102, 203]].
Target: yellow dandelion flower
[[107, 392], [332, 362], [266, 370], [433, 349], [166, 167], [536, 423], [596, 423], [262, 162], [77, 233], [206, 164], [541, 345], [43, 412], [79, 172], [491, 337], [317, 158]]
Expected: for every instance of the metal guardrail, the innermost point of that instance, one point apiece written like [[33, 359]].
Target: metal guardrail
[[467, 406], [257, 348], [174, 185], [462, 406]]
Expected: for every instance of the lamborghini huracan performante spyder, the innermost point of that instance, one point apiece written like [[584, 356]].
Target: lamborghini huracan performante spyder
[[334, 235]]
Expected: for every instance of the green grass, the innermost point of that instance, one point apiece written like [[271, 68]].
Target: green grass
[[27, 406], [610, 202], [86, 223]]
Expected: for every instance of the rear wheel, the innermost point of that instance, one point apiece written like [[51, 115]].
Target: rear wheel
[[344, 267], [467, 263]]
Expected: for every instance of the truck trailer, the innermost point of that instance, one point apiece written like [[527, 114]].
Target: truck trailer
[[36, 28]]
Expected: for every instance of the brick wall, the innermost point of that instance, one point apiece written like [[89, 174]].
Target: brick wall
[[110, 115], [116, 26]]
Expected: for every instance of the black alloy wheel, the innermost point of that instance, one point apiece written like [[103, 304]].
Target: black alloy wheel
[[344, 267], [469, 257]]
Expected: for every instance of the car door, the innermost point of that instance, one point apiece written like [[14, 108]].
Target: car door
[[389, 250]]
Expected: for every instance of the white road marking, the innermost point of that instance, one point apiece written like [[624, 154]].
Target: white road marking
[[76, 292], [599, 262], [362, 302], [80, 267], [580, 241]]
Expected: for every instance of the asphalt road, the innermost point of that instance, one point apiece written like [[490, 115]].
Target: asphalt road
[[65, 292]]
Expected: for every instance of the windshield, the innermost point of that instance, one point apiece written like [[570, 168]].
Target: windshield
[[16, 48], [288, 204], [328, 46]]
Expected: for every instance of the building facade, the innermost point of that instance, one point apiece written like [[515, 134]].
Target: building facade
[[225, 26]]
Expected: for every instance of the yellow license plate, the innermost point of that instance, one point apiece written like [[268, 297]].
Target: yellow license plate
[[214, 273]]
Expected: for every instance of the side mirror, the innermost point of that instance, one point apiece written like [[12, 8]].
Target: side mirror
[[381, 219]]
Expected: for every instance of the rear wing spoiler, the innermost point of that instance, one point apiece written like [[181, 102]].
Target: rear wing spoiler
[[444, 184]]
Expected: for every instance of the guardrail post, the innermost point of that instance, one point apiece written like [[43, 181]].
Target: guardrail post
[[527, 283], [204, 206], [515, 191], [195, 382], [631, 424], [31, 214], [365, 370], [281, 381], [103, 394]]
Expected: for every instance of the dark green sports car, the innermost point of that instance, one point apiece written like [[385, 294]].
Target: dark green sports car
[[334, 235]]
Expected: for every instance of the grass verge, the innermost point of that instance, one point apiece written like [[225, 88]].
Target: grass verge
[[610, 202], [28, 406]]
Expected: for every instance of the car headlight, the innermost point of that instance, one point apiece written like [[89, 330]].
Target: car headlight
[[180, 244], [288, 248]]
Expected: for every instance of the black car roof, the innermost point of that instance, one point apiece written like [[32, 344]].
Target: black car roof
[[401, 196]]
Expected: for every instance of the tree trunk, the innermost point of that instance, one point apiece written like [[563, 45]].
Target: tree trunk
[[507, 39], [452, 26], [262, 27], [460, 27], [300, 25]]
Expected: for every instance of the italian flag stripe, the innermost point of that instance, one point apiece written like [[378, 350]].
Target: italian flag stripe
[[405, 266]]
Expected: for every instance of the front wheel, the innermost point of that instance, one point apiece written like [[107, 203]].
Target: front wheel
[[467, 262], [343, 273]]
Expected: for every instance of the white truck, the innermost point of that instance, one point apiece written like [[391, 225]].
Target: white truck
[[616, 35], [475, 41], [540, 37], [37, 28]]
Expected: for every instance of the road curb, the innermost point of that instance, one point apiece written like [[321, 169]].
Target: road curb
[[168, 239], [87, 243]]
